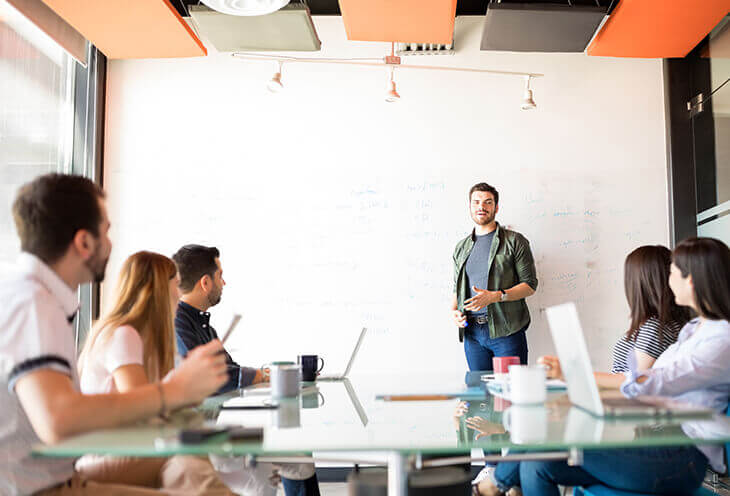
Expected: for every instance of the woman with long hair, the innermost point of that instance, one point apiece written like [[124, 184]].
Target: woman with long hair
[[135, 342], [132, 345], [693, 370], [656, 320]]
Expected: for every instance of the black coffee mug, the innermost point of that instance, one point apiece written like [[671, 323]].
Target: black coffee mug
[[309, 366]]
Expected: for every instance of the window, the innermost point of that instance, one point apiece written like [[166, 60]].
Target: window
[[36, 114]]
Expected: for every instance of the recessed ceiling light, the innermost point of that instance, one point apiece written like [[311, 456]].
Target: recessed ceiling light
[[246, 7]]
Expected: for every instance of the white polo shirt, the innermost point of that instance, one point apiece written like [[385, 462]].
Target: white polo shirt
[[35, 333]]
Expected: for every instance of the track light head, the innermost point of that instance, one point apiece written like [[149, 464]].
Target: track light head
[[528, 103], [274, 85], [392, 95]]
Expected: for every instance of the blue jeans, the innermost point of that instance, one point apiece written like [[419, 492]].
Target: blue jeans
[[480, 348], [306, 487], [676, 470]]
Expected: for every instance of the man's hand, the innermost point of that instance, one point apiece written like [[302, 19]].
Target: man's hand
[[459, 318], [262, 375], [483, 298], [201, 374], [552, 367]]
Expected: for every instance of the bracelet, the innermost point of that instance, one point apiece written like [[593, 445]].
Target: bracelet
[[163, 406]]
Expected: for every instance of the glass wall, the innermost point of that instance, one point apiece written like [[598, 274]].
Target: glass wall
[[710, 114], [36, 114]]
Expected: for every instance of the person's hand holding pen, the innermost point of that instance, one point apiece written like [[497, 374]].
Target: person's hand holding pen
[[552, 367], [459, 318]]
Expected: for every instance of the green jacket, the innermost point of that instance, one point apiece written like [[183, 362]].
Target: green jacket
[[510, 263]]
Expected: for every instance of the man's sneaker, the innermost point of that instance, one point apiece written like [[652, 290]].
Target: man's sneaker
[[487, 471]]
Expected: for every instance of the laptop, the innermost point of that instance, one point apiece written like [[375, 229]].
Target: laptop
[[582, 389], [355, 401], [339, 377]]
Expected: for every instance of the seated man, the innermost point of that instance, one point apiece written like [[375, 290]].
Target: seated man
[[201, 285], [63, 229]]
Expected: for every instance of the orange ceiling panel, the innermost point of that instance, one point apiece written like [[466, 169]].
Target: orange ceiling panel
[[657, 28], [130, 29], [406, 21]]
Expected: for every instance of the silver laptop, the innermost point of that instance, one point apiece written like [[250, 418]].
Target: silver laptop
[[355, 401], [339, 377], [582, 389]]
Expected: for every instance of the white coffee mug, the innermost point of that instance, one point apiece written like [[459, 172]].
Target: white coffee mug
[[525, 423], [285, 380], [526, 384]]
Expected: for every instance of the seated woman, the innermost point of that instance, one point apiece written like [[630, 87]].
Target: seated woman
[[656, 320], [694, 370], [132, 346]]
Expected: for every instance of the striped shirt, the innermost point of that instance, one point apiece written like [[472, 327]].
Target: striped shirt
[[653, 338]]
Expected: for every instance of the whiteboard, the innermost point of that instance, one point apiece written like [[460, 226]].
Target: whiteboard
[[334, 210], [308, 267]]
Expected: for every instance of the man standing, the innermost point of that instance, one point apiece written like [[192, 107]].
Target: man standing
[[493, 274], [201, 284]]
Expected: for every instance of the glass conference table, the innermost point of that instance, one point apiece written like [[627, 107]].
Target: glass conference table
[[352, 419]]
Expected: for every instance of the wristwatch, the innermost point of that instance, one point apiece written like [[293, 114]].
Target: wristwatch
[[504, 295]]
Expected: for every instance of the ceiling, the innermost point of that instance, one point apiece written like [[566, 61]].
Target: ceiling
[[463, 7]]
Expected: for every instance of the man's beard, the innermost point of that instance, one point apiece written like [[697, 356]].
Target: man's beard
[[485, 220], [215, 297], [97, 266]]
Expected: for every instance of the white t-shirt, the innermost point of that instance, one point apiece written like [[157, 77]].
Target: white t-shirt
[[38, 308], [123, 347]]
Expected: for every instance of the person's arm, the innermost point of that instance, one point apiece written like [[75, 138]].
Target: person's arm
[[609, 380], [605, 380], [124, 359], [644, 361], [705, 366], [56, 410], [525, 269], [519, 291], [458, 316], [128, 377]]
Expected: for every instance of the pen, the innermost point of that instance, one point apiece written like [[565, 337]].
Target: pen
[[416, 397], [249, 407]]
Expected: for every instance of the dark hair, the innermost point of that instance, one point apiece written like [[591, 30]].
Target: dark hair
[[488, 188], [707, 260], [194, 262], [51, 209], [646, 284]]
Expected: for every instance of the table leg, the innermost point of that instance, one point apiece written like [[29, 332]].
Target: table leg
[[397, 474]]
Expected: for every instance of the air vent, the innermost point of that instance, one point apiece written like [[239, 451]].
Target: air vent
[[424, 49], [533, 27]]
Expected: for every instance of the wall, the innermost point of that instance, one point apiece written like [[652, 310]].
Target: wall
[[334, 209]]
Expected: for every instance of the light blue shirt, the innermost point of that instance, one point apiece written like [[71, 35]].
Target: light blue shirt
[[695, 369]]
